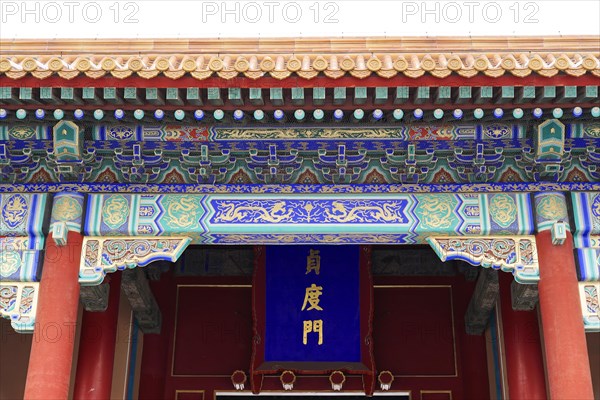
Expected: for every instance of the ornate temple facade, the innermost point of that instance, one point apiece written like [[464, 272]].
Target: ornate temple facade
[[211, 219]]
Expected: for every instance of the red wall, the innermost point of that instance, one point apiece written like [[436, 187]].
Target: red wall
[[418, 336]]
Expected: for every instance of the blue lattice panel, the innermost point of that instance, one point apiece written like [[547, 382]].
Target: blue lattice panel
[[391, 218]]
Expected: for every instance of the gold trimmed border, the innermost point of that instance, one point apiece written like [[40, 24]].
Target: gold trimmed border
[[177, 391], [421, 392]]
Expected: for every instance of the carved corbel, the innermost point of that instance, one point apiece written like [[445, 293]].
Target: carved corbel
[[18, 302], [515, 254], [102, 255]]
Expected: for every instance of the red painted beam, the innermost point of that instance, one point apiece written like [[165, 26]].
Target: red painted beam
[[319, 81]]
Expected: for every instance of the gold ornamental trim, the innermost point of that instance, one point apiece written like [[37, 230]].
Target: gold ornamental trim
[[306, 58]]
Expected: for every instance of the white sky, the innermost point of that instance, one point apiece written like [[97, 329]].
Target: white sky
[[304, 18]]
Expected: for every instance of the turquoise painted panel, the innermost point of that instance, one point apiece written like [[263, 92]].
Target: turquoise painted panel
[[25, 132], [588, 262]]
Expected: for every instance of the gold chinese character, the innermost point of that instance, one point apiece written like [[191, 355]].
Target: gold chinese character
[[312, 297], [315, 326], [313, 262]]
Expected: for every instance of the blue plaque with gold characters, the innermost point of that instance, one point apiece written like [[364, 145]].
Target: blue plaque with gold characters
[[312, 307], [312, 298]]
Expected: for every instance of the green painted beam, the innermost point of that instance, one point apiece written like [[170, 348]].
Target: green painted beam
[[525, 94], [464, 94], [234, 95], [111, 95], [90, 96], [276, 96], [155, 97], [70, 95], [546, 93], [422, 95], [402, 95], [381, 95], [213, 96], [192, 95], [28, 95], [318, 96], [8, 95], [255, 96], [49, 95], [339, 95], [566, 94], [443, 94], [130, 94], [590, 93], [360, 95], [298, 96], [506, 94], [483, 94], [173, 96]]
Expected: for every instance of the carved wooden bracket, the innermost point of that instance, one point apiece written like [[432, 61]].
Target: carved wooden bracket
[[18, 302], [102, 255], [515, 254], [589, 293]]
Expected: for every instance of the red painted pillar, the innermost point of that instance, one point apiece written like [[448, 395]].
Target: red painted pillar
[[97, 347], [49, 371], [567, 362], [522, 348]]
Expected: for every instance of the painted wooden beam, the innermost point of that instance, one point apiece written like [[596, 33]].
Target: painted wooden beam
[[380, 95], [422, 95], [506, 94], [173, 96], [29, 95], [131, 95], [589, 93], [483, 94], [319, 96], [482, 302], [525, 94], [111, 95], [402, 95], [90, 96], [442, 95], [276, 96], [546, 94], [255, 97], [192, 96], [213, 96], [155, 96], [145, 308], [360, 95], [8, 95], [339, 95], [49, 95], [566, 94], [464, 94], [298, 96], [523, 297], [70, 95]]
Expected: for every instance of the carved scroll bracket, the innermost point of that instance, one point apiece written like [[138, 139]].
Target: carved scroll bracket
[[18, 302], [589, 293], [102, 255], [515, 254]]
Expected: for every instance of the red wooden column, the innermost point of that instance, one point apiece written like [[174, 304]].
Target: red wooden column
[[522, 348], [49, 372], [567, 360], [93, 379]]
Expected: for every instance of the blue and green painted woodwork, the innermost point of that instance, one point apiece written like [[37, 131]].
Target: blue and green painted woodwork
[[237, 219]]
